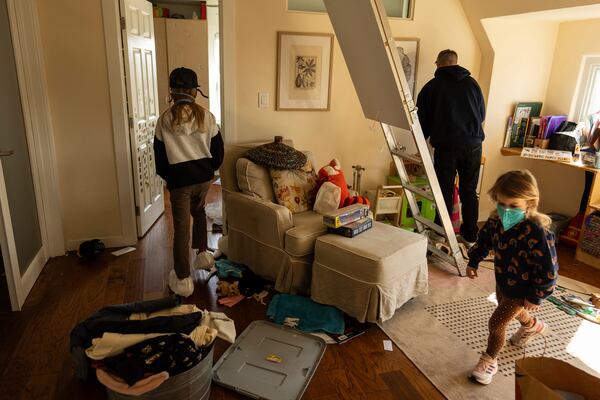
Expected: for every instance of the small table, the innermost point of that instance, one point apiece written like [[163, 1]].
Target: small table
[[370, 275], [593, 203]]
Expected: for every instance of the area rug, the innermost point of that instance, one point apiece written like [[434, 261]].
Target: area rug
[[444, 333]]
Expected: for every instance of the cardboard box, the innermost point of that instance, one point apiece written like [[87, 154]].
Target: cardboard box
[[346, 215]]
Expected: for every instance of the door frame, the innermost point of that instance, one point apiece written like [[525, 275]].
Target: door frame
[[27, 49], [118, 99]]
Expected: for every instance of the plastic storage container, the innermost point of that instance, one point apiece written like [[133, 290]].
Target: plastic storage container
[[193, 384]]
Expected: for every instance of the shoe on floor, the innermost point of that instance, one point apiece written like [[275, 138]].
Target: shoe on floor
[[525, 334], [182, 287], [204, 260], [485, 369]]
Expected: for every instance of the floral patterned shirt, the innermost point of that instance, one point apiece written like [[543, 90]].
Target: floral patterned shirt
[[525, 260]]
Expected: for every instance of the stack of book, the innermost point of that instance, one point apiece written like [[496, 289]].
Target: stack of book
[[349, 221], [526, 128]]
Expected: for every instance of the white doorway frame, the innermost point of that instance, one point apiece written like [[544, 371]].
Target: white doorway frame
[[27, 49], [118, 99]]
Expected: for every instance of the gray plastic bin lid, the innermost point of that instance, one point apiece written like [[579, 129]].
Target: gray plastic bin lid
[[269, 361]]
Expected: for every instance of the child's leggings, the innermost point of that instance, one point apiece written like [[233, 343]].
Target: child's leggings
[[505, 312]]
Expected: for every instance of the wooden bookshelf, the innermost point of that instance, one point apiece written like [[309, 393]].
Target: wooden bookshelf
[[593, 199], [516, 151]]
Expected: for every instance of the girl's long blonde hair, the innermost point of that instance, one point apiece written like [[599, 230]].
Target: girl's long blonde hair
[[521, 184], [186, 111]]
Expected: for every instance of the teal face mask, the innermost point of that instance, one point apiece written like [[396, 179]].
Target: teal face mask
[[510, 216]]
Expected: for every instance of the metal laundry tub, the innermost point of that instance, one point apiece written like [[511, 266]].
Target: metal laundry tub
[[193, 384]]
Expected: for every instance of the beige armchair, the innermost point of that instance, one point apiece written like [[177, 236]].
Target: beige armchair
[[265, 236]]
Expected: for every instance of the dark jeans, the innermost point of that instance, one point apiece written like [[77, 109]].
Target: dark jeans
[[466, 160]]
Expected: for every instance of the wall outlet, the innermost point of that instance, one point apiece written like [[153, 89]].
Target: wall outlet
[[263, 100]]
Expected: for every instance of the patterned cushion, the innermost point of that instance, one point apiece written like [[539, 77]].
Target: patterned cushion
[[295, 189]]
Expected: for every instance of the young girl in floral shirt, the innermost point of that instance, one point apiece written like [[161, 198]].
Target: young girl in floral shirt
[[525, 261]]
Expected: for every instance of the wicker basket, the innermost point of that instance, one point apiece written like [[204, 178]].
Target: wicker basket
[[590, 243]]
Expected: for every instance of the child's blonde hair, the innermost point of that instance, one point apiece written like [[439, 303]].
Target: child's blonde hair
[[182, 112], [521, 184]]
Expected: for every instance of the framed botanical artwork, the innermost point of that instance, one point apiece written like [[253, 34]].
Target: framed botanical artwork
[[304, 62], [408, 50]]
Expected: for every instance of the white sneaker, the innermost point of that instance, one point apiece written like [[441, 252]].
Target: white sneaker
[[462, 240], [524, 334], [183, 287], [485, 369], [204, 260]]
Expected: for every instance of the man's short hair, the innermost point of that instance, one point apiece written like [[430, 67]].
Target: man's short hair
[[447, 57]]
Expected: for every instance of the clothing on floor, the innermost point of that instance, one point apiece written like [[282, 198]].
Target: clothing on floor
[[141, 387], [231, 301], [173, 353], [226, 268], [311, 316], [187, 202], [187, 154], [250, 283], [451, 108], [112, 344], [464, 159], [525, 259], [505, 312]]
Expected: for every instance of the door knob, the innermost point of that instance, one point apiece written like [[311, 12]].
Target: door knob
[[6, 153]]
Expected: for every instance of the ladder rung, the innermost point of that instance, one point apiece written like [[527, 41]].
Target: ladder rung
[[430, 224], [441, 254], [419, 191], [406, 156]]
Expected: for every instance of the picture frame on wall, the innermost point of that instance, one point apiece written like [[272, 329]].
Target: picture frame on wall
[[304, 65], [408, 51]]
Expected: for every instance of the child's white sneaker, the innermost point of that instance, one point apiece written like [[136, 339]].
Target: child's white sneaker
[[485, 369], [204, 260], [525, 334], [183, 287]]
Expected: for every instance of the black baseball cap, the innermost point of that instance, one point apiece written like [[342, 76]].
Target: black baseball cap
[[183, 78]]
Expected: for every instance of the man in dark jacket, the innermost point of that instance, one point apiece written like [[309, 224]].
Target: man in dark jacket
[[451, 110]]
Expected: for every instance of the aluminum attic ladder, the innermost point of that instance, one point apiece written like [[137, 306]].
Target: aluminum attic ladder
[[364, 35]]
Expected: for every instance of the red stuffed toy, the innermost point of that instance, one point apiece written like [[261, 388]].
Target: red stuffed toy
[[333, 173]]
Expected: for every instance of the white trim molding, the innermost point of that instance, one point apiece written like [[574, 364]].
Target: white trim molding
[[118, 103], [29, 60], [227, 22]]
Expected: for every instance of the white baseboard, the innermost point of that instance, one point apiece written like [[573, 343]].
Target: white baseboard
[[109, 242]]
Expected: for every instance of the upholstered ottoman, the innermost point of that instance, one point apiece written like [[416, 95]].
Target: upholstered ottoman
[[371, 275]]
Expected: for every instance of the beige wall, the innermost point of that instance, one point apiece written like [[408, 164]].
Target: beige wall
[[522, 65], [562, 187], [75, 60], [342, 132]]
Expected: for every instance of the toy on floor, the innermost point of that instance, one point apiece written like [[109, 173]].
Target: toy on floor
[[333, 173], [226, 289]]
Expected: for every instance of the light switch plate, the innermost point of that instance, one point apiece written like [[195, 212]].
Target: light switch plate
[[263, 100]]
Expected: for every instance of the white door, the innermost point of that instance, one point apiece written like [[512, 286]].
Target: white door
[[21, 244], [142, 107]]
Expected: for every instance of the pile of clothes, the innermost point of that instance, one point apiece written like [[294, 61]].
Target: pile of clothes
[[237, 282], [134, 348]]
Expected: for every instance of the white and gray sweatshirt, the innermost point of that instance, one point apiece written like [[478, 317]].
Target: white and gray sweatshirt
[[187, 154]]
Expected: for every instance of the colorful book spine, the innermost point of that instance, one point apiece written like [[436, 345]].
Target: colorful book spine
[[346, 215], [353, 229]]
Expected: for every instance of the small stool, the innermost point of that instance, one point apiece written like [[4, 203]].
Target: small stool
[[371, 275]]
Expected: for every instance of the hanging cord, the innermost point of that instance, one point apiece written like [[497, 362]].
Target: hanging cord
[[202, 93]]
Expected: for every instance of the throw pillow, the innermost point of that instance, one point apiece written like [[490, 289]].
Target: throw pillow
[[295, 189], [254, 180]]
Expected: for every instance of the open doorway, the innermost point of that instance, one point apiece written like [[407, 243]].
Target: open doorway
[[144, 43]]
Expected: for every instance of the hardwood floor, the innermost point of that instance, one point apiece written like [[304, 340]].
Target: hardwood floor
[[34, 353]]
